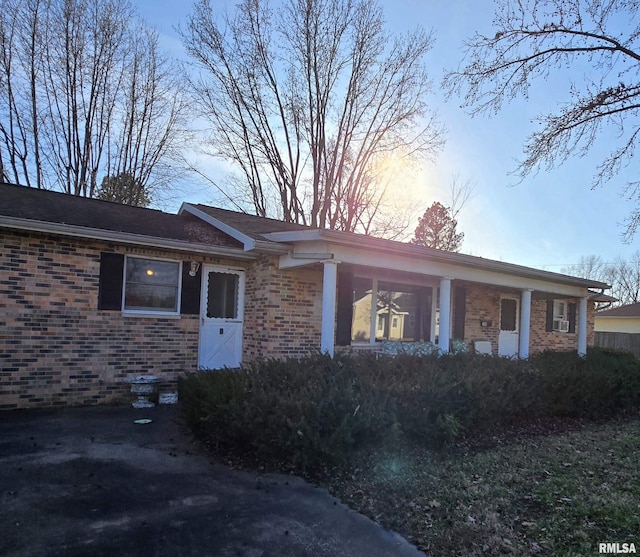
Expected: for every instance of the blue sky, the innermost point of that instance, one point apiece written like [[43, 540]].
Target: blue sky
[[546, 221]]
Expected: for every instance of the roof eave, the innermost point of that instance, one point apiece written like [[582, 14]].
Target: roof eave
[[120, 237], [400, 248], [617, 316]]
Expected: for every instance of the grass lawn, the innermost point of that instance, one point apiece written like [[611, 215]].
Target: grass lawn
[[559, 494]]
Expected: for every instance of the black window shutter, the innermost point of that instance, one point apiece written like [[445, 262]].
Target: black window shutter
[[426, 314], [110, 287], [549, 316], [572, 317], [190, 300], [344, 310], [460, 299], [419, 329]]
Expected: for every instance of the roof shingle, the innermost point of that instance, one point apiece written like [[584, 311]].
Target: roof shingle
[[251, 225], [53, 207], [630, 310]]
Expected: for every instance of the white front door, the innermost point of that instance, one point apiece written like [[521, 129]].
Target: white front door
[[221, 314], [509, 332]]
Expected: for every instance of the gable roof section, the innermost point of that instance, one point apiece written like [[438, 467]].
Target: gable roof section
[[212, 230], [290, 233], [59, 213], [250, 230], [628, 311]]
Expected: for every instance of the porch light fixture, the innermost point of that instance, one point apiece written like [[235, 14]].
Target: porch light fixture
[[193, 271]]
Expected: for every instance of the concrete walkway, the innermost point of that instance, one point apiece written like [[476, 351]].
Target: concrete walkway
[[89, 481]]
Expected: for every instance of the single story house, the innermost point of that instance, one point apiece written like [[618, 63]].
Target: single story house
[[93, 292], [622, 319]]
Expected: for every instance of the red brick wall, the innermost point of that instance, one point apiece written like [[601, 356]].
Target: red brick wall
[[283, 310], [56, 348], [483, 303], [541, 340]]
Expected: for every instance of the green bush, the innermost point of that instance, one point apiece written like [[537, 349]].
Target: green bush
[[210, 400], [596, 386], [306, 412], [316, 410]]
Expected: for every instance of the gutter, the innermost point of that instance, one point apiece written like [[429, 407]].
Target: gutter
[[122, 237]]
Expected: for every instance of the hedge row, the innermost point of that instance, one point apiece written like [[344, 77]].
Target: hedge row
[[317, 409]]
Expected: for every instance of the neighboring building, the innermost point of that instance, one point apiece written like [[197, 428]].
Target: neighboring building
[[93, 292], [623, 319]]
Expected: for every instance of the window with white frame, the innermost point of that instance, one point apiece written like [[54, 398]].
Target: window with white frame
[[151, 285], [560, 316]]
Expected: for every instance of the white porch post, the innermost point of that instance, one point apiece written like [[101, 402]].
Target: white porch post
[[373, 320], [525, 323], [445, 314], [329, 286], [582, 327]]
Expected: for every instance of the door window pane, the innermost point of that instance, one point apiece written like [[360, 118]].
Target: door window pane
[[222, 296], [508, 314]]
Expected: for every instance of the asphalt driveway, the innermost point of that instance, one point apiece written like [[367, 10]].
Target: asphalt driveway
[[90, 481]]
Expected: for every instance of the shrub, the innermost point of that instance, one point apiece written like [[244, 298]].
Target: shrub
[[210, 400], [306, 412], [598, 385], [318, 409]]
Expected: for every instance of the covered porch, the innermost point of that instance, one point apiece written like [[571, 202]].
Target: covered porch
[[375, 291]]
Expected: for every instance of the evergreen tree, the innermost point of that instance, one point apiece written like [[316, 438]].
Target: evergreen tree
[[437, 229]]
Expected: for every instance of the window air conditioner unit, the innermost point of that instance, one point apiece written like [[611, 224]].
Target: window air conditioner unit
[[561, 325]]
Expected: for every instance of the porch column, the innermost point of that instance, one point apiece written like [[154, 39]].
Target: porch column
[[329, 287], [373, 320], [582, 327], [445, 314], [525, 323]]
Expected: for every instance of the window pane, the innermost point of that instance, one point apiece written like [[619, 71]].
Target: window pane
[[399, 311], [148, 297], [147, 271], [151, 285], [508, 311], [361, 318], [559, 310], [222, 296]]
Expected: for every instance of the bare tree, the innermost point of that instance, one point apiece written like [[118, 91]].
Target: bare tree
[[460, 192], [306, 99], [83, 76], [534, 38], [150, 128], [622, 274], [21, 30], [85, 92], [627, 279], [591, 267]]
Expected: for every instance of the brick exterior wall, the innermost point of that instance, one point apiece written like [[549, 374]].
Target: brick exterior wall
[[56, 348], [483, 304], [283, 310]]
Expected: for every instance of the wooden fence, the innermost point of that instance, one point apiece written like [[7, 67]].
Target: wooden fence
[[621, 341]]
